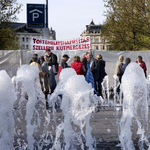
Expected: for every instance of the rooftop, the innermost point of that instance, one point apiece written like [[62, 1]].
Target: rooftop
[[92, 27]]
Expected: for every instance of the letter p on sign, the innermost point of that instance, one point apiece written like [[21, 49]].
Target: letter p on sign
[[35, 15]]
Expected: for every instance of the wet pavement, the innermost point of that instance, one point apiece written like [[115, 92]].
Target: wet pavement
[[106, 128]]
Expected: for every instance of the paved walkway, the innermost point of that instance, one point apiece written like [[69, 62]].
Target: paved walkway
[[105, 126]]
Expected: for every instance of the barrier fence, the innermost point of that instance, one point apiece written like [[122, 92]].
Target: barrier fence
[[11, 60]]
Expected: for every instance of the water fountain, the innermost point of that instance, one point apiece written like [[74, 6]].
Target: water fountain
[[105, 91], [7, 99], [78, 103], [36, 127], [135, 107], [29, 107]]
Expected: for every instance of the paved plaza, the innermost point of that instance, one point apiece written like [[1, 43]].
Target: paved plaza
[[105, 124]]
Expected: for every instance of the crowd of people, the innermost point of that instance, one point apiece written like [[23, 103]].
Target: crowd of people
[[120, 66], [92, 68], [88, 65]]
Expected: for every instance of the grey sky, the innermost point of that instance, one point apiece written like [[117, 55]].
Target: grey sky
[[69, 17]]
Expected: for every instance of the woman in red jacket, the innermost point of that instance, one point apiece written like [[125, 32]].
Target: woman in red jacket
[[142, 64], [78, 66]]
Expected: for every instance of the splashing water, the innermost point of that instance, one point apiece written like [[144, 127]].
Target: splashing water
[[135, 106], [64, 76], [78, 103], [105, 90], [116, 86], [7, 99], [29, 86]]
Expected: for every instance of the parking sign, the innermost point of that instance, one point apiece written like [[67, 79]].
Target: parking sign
[[35, 15]]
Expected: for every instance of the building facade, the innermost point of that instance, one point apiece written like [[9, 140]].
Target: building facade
[[25, 34], [97, 41]]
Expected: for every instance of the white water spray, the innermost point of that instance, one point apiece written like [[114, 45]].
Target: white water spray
[[7, 99], [105, 91], [28, 78], [78, 103], [135, 106]]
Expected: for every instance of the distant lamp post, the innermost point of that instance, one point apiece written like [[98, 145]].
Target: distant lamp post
[[46, 13]]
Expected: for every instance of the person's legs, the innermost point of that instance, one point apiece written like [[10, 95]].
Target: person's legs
[[95, 86], [99, 91], [52, 81], [46, 89], [45, 85]]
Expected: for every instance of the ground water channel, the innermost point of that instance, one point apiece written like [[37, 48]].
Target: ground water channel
[[75, 123]]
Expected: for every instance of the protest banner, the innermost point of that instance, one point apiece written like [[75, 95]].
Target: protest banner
[[82, 43]]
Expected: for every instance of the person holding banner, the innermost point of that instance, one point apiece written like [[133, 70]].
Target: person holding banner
[[52, 61]]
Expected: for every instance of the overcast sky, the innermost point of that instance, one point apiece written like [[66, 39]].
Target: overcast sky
[[69, 17]]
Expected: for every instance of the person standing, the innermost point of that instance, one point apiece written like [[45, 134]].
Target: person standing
[[46, 79], [118, 69], [35, 62], [101, 72], [64, 61], [84, 61], [92, 63], [45, 70], [127, 61], [34, 55], [78, 66], [52, 61], [142, 64], [42, 60]]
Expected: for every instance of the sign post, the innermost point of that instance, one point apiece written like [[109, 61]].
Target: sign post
[[35, 15]]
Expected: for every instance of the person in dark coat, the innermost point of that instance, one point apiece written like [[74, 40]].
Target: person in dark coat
[[49, 78], [93, 68], [42, 60], [84, 61], [45, 70], [101, 72], [35, 55], [64, 61], [127, 61], [52, 61]]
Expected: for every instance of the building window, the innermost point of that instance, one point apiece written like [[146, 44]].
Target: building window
[[23, 39], [27, 39], [96, 47], [103, 47], [103, 40], [96, 40], [27, 47], [23, 47], [91, 40]]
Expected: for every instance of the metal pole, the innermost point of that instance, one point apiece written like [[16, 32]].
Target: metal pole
[[46, 13]]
